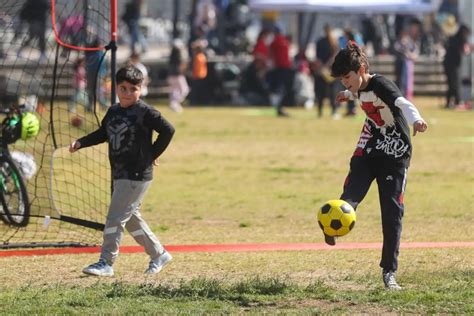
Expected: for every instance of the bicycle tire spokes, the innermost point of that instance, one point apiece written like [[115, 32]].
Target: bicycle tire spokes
[[14, 198]]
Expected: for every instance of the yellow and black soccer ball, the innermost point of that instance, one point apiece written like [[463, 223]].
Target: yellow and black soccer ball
[[336, 218]]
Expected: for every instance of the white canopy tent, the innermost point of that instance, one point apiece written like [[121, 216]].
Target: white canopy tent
[[311, 8], [345, 6]]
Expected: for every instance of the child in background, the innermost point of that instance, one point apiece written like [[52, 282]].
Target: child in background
[[96, 71], [179, 88], [199, 87], [303, 86], [384, 149], [128, 128], [79, 84], [456, 47]]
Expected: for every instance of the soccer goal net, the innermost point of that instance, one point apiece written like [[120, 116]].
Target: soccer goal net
[[55, 63]]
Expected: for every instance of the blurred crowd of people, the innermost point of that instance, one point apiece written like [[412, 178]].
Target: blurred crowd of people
[[275, 76]]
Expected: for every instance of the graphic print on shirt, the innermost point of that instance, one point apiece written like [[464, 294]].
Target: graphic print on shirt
[[392, 145], [121, 135], [379, 125], [376, 110], [373, 112]]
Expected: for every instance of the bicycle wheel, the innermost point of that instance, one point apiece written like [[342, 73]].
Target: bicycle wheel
[[14, 197], [3, 214]]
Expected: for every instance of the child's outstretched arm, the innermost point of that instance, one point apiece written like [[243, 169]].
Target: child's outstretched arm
[[94, 138], [412, 115]]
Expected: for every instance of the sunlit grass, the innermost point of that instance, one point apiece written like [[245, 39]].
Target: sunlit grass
[[241, 175]]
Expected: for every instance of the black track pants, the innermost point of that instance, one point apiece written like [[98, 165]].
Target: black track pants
[[391, 182]]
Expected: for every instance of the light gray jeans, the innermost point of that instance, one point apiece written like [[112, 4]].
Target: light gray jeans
[[124, 212]]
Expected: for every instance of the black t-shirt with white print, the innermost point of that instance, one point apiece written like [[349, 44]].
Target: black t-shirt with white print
[[129, 133], [385, 132]]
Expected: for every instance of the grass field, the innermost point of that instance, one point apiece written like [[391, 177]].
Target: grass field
[[241, 175]]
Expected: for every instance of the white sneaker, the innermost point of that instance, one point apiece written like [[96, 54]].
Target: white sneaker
[[101, 268], [390, 281], [155, 266], [176, 107]]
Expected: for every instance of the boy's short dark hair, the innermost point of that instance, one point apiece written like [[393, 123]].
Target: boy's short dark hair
[[130, 74], [349, 59]]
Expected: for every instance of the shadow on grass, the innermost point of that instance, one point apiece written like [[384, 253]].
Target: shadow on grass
[[423, 293], [445, 292], [251, 291]]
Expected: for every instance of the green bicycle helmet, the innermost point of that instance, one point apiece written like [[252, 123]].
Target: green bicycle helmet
[[30, 125]]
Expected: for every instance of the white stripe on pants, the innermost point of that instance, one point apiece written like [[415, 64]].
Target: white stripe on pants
[[124, 212]]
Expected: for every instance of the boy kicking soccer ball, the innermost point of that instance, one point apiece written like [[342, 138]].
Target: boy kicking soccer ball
[[384, 149], [128, 127]]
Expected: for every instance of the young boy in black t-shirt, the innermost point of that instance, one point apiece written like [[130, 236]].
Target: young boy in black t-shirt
[[128, 128], [384, 149]]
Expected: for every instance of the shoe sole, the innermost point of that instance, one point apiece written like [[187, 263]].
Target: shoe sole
[[97, 274], [331, 241]]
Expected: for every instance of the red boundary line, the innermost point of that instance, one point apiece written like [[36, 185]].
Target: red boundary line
[[238, 248]]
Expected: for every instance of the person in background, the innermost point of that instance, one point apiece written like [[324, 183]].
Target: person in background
[[253, 86], [406, 52], [135, 61], [96, 71], [72, 32], [301, 58], [303, 86], [79, 85], [206, 17], [281, 76], [350, 36], [456, 46], [261, 49], [432, 39], [34, 13], [199, 73], [373, 34], [179, 88], [324, 84], [131, 17]]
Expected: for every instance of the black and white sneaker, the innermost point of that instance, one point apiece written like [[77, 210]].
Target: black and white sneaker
[[390, 281]]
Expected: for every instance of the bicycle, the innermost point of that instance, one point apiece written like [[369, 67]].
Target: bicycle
[[13, 193]]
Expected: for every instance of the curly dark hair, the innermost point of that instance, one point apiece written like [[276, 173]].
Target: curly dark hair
[[130, 74], [349, 58]]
